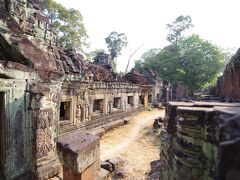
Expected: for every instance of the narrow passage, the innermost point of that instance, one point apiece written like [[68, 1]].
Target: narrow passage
[[135, 143]]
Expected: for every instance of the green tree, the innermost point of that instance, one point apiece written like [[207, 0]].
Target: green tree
[[200, 62], [189, 60], [68, 24], [150, 53], [176, 29], [194, 62], [166, 63], [115, 42]]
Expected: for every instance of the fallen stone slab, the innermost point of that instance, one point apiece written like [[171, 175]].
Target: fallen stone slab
[[155, 165], [156, 124], [107, 165], [126, 120], [112, 125], [117, 163], [104, 174]]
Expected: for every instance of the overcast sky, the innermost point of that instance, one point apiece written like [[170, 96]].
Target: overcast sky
[[144, 22]]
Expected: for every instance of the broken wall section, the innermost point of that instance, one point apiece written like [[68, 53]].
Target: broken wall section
[[228, 86], [197, 141]]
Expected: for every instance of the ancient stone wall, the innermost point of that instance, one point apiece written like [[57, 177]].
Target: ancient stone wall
[[229, 84], [197, 141], [48, 92], [16, 126]]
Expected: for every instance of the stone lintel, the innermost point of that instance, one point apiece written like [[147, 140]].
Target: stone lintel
[[228, 110], [78, 150]]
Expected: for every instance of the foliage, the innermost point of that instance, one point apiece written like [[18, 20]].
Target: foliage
[[200, 61], [115, 42], [138, 63], [94, 53], [181, 24], [68, 24], [150, 53], [194, 62], [145, 56], [166, 63]]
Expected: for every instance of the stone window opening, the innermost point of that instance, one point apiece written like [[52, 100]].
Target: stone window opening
[[65, 108], [149, 98], [2, 133], [98, 106], [141, 100], [117, 103], [158, 97], [130, 100]]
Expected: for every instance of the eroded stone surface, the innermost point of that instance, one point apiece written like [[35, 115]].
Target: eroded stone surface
[[78, 150], [199, 146]]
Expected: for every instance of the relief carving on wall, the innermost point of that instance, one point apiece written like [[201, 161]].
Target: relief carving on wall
[[79, 113], [45, 119], [110, 106], [86, 110], [44, 141], [20, 9]]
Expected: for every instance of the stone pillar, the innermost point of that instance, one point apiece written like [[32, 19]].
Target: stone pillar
[[145, 100], [80, 155], [105, 105], [135, 100]]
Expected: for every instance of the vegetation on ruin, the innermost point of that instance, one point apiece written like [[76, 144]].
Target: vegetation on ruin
[[190, 60], [68, 24], [115, 42]]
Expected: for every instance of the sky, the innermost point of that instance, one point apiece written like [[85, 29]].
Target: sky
[[144, 22]]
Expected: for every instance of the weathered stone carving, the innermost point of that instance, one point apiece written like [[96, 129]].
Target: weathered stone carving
[[43, 141], [45, 119], [20, 10]]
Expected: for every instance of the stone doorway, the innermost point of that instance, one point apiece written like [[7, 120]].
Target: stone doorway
[[130, 102], [117, 103], [149, 98], [65, 111], [98, 106], [2, 133], [141, 100]]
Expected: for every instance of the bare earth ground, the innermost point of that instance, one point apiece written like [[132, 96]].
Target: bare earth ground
[[136, 143]]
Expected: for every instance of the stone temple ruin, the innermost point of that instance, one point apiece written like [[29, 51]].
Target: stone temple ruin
[[201, 140], [50, 99]]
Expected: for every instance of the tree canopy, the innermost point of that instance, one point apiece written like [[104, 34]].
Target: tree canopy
[[176, 29], [190, 60], [115, 42], [68, 24]]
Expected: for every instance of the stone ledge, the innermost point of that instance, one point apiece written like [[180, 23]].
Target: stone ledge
[[78, 150]]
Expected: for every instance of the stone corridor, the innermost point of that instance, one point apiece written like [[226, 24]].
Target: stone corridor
[[135, 144]]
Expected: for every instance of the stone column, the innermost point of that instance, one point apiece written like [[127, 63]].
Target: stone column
[[145, 100], [135, 100]]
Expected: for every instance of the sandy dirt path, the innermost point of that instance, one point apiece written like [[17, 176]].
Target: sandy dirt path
[[135, 143]]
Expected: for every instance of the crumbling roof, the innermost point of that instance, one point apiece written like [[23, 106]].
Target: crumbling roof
[[35, 3], [100, 73], [47, 58], [40, 17], [142, 76]]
